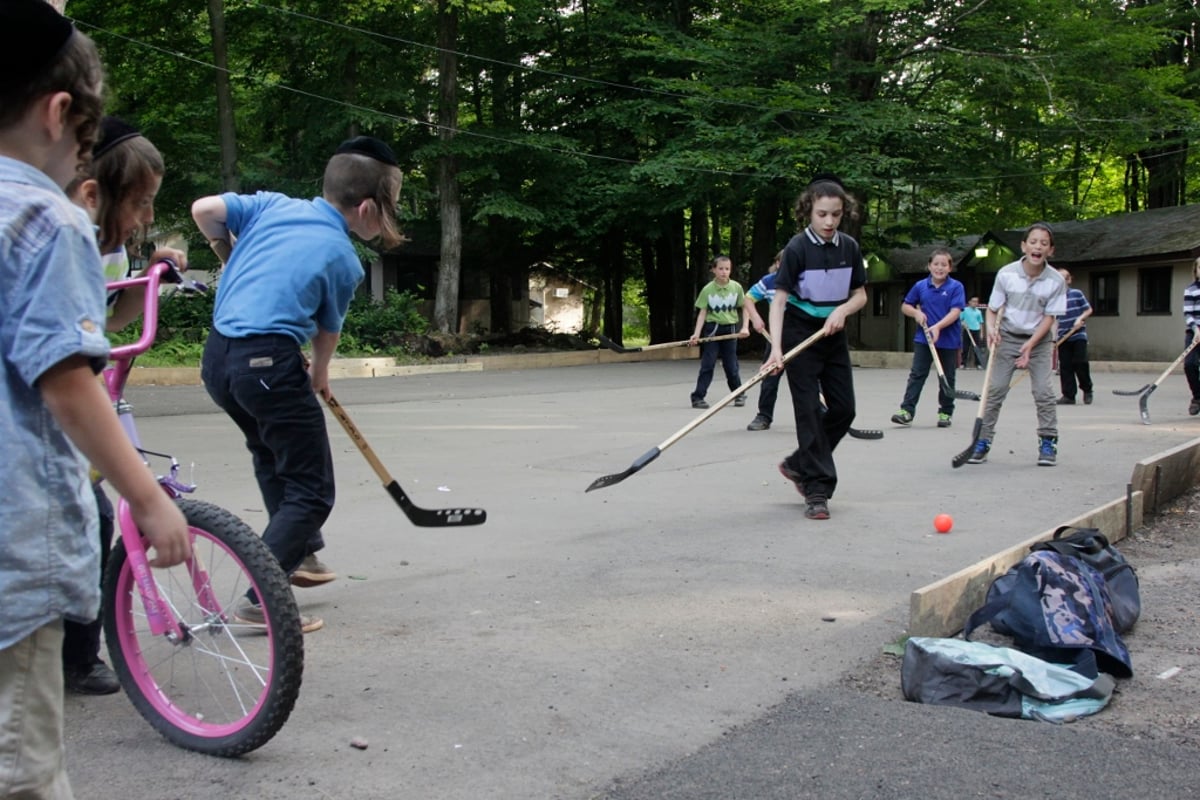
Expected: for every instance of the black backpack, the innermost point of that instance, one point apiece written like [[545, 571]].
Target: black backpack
[[1056, 608], [1091, 546]]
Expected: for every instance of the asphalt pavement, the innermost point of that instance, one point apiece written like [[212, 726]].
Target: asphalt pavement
[[677, 635]]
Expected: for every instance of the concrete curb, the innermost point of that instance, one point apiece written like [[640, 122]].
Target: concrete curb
[[941, 608], [387, 367]]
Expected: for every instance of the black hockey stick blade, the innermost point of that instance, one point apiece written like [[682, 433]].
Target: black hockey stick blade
[[611, 345], [963, 394], [434, 517], [962, 457], [865, 433], [1132, 392], [1144, 403], [609, 480]]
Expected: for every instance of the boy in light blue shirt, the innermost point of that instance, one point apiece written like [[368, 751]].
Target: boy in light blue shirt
[[56, 415]]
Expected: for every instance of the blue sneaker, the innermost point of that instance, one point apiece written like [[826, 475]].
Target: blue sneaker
[[982, 448], [1047, 451]]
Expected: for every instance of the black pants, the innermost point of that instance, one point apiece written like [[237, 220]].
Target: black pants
[[824, 367], [81, 641], [262, 384], [1073, 367]]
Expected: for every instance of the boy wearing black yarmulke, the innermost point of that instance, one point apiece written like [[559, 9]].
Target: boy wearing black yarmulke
[[289, 280], [54, 414]]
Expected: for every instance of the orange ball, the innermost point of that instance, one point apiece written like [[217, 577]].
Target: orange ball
[[942, 523]]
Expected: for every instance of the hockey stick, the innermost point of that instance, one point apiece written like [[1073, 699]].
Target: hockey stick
[[974, 346], [1057, 344], [650, 455], [977, 429], [421, 517], [854, 433], [1147, 390], [611, 345], [961, 394]]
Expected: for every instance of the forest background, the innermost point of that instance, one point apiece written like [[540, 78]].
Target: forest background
[[625, 142]]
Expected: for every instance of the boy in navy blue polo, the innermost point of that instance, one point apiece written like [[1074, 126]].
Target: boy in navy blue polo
[[289, 281], [821, 281], [934, 302]]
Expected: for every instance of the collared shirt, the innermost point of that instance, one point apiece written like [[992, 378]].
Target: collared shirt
[[293, 269], [937, 302], [52, 293], [1076, 305], [972, 318], [819, 275], [1026, 301]]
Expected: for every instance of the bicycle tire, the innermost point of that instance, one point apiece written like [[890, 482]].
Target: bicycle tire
[[230, 686]]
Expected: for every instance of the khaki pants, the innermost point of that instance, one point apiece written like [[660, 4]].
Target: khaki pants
[[31, 718], [1040, 386]]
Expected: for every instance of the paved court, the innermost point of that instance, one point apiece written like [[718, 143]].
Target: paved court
[[580, 639]]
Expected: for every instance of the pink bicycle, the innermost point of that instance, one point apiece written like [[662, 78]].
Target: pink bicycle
[[201, 678]]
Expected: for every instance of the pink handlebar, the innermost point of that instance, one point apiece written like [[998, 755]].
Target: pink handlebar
[[151, 279]]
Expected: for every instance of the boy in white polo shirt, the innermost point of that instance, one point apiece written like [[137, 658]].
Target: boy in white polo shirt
[[1031, 294]]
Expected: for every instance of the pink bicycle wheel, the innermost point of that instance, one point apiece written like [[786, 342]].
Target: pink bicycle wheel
[[230, 684]]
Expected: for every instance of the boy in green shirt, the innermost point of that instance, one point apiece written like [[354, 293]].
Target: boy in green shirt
[[719, 303]]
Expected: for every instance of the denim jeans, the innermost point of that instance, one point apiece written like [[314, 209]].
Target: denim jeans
[[921, 365], [262, 384], [710, 352]]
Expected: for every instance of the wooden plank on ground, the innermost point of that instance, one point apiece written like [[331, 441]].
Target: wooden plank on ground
[[941, 608]]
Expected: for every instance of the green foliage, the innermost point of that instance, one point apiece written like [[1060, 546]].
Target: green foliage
[[374, 327], [581, 122]]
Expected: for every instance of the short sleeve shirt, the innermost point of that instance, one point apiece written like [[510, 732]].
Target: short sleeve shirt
[[937, 302], [818, 275], [1027, 301], [722, 302], [52, 292], [293, 268]]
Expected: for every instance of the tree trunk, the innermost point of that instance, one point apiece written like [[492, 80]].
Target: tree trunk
[[445, 304], [764, 243], [613, 270], [225, 124]]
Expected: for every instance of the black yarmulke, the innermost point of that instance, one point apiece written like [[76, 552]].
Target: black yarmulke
[[827, 176], [113, 131], [371, 147], [32, 34]]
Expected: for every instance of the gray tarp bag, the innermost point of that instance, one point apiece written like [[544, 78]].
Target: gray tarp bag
[[998, 680]]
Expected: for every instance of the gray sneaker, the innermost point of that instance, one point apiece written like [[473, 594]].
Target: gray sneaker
[[312, 572], [249, 613]]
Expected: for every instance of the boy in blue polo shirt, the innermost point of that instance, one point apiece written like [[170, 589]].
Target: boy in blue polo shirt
[[934, 302], [288, 281]]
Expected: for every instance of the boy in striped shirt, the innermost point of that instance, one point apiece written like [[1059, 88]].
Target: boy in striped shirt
[[1191, 318], [1031, 294]]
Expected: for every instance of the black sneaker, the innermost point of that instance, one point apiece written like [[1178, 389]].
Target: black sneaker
[[1194, 406], [91, 679], [1065, 401], [740, 400], [792, 476], [817, 508], [1087, 398], [759, 423], [701, 403]]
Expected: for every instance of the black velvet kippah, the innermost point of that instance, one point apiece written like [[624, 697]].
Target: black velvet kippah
[[113, 131], [371, 147], [827, 176], [32, 34]]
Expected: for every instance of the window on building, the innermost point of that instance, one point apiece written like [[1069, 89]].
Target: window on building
[[1154, 290], [1104, 294], [879, 301]]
